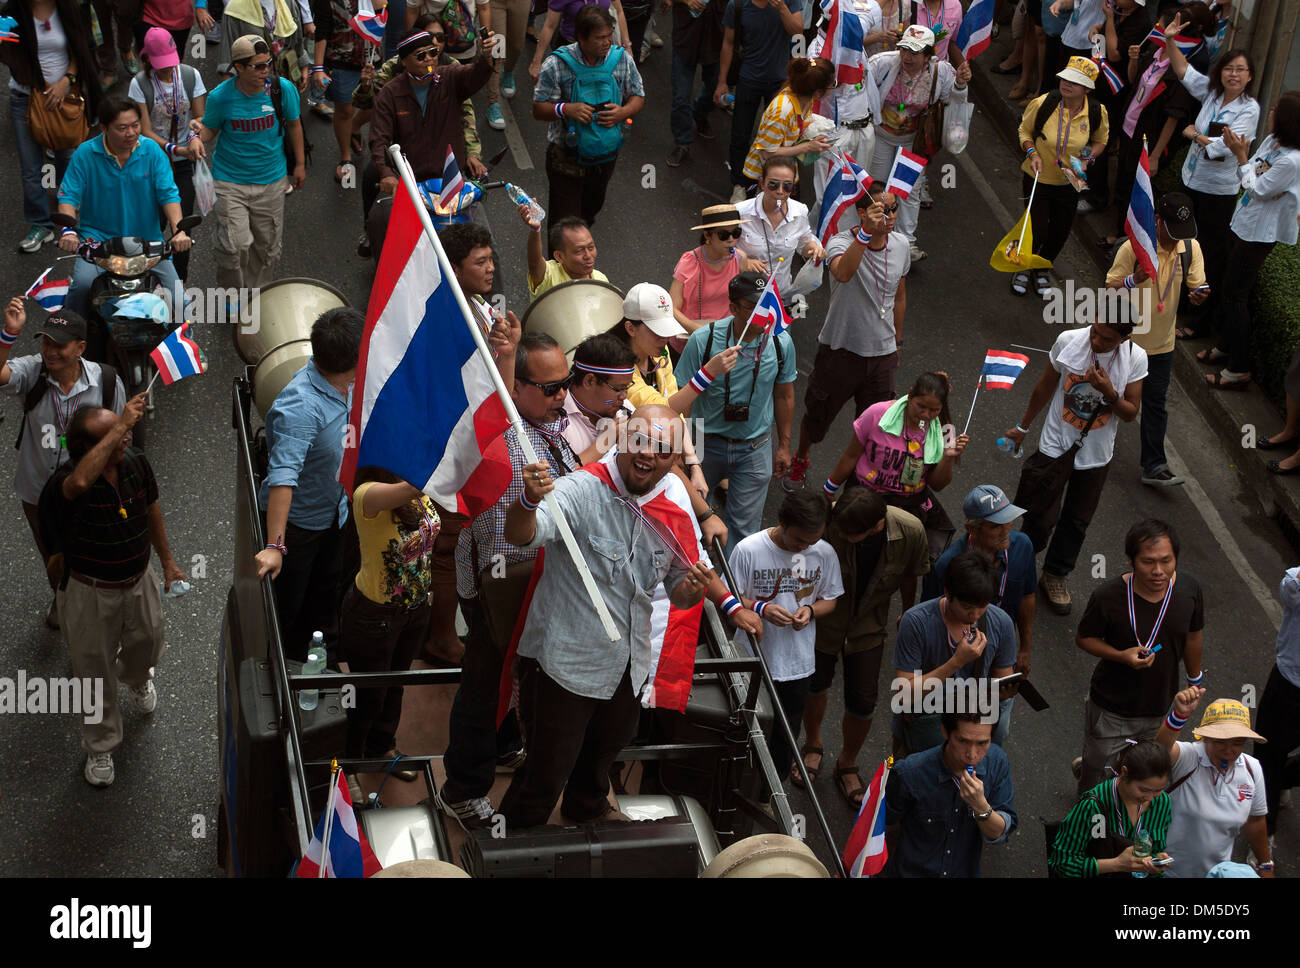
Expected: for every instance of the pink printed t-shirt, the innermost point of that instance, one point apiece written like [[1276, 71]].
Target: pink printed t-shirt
[[712, 301], [886, 465]]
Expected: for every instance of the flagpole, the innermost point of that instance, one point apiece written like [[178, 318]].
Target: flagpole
[[1030, 205], [398, 161], [151, 382], [972, 402], [329, 818]]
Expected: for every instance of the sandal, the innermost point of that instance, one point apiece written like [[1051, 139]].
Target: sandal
[[999, 69], [1020, 283], [1042, 283], [853, 799], [1211, 356], [795, 776], [1186, 332], [1216, 381]]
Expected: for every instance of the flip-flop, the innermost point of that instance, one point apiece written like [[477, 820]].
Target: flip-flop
[[1212, 356], [1216, 382], [1186, 332], [1274, 467], [855, 798], [795, 776], [1020, 283]]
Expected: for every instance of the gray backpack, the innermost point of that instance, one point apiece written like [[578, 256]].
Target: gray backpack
[[188, 78]]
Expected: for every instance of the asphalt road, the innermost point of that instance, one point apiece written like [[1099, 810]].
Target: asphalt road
[[159, 818]]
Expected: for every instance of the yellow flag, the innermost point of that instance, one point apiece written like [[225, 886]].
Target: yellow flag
[[1015, 254]]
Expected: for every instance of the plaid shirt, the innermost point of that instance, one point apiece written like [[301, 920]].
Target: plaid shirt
[[484, 540], [555, 84]]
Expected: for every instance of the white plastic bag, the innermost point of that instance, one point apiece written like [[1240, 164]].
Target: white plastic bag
[[205, 192], [956, 127], [808, 278]]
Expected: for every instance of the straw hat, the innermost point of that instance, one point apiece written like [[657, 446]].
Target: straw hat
[[1226, 719], [720, 216]]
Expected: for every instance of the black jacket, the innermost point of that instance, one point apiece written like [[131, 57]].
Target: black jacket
[[23, 63]]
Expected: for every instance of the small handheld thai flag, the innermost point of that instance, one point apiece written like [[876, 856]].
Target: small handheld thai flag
[[1157, 36], [768, 312], [844, 44], [1140, 223], [976, 30], [1001, 369], [1188, 45], [845, 184], [865, 853], [178, 356], [452, 182], [350, 853], [1113, 80], [903, 176], [49, 293], [369, 24]]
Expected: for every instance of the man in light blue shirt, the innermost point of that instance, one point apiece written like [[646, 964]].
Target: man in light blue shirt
[[738, 410], [304, 504], [115, 184]]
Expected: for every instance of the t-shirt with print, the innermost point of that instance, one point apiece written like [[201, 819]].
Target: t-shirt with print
[[860, 316], [890, 464], [250, 149], [765, 45], [169, 103], [1075, 400], [395, 557], [771, 574]]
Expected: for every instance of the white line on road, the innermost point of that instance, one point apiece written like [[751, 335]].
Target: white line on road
[[518, 150]]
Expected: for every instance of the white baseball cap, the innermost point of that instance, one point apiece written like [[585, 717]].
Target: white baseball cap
[[916, 38], [650, 304]]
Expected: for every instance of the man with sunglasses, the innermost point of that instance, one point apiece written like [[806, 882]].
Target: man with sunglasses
[[859, 345], [249, 167]]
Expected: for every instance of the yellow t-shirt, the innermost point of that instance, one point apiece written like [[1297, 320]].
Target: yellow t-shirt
[[555, 275], [1158, 337], [395, 559], [1079, 136], [642, 394]]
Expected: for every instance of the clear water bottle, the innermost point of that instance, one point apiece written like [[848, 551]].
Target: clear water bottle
[[729, 100], [1142, 846], [315, 664], [696, 13], [178, 589], [1008, 446], [521, 197]]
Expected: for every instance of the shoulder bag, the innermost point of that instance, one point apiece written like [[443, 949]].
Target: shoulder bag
[[928, 140], [58, 128]]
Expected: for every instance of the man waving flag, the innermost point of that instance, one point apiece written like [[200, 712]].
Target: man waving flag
[[846, 182]]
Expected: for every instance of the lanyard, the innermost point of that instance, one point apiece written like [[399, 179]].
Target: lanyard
[[63, 417], [1062, 131], [952, 643], [1005, 555], [1160, 618], [1169, 284], [1122, 811], [879, 273]]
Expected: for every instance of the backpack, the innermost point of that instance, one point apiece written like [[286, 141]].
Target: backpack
[[595, 86], [1053, 101], [458, 24], [188, 76], [276, 94], [107, 389]]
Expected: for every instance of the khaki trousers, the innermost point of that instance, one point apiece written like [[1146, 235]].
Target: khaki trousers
[[247, 242]]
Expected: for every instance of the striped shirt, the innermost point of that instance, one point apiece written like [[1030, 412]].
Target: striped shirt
[[1069, 855], [782, 125], [106, 530]]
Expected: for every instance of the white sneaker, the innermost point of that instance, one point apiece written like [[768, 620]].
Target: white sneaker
[[738, 194], [918, 254], [99, 769], [653, 39], [144, 699]]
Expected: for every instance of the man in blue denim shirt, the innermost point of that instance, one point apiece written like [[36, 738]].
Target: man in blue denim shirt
[[305, 507], [950, 801]]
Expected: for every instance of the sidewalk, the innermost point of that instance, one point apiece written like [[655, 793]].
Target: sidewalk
[[1231, 414]]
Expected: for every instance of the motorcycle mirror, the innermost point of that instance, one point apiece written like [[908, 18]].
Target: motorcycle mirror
[[63, 220], [188, 222]]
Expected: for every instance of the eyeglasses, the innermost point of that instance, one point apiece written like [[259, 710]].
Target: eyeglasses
[[260, 66], [780, 186], [549, 389], [642, 444], [423, 55], [725, 234], [618, 389]]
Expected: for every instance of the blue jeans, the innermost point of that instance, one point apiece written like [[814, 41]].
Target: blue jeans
[[747, 465], [1003, 725], [84, 274], [684, 112], [1155, 415], [31, 159], [749, 102]]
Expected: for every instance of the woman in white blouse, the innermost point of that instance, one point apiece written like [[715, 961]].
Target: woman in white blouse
[[776, 225], [1210, 170], [1265, 216]]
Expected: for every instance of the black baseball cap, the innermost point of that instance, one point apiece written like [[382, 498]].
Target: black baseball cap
[[63, 327], [1176, 211], [746, 287]]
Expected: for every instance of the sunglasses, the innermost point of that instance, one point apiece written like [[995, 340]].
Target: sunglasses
[[549, 389], [892, 210], [423, 55], [780, 186], [725, 234], [622, 388], [260, 66]]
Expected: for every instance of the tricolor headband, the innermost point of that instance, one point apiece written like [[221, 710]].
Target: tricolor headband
[[603, 370], [411, 44]]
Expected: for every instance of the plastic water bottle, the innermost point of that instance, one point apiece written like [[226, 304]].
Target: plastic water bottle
[[1008, 446], [1142, 846], [315, 664], [729, 100], [521, 197], [696, 13], [178, 589]]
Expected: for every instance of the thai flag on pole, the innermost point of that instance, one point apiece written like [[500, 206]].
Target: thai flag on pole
[[844, 44], [768, 312], [976, 30], [846, 182], [865, 853], [1001, 369], [1140, 223], [907, 169], [177, 356], [369, 24], [350, 853], [49, 293], [425, 406], [1113, 80], [452, 182], [1157, 36], [1188, 45]]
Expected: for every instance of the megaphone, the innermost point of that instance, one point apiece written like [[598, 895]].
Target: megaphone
[[574, 310]]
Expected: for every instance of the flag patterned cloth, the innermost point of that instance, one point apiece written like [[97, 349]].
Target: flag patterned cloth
[[769, 315], [369, 24], [178, 356], [846, 182], [426, 407], [1140, 223], [903, 176], [350, 853], [1109, 74], [49, 293], [452, 182], [844, 44], [1188, 45], [1001, 369], [865, 853], [1156, 36], [976, 30]]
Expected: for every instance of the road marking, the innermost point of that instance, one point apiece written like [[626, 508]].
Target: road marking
[[518, 150], [982, 185]]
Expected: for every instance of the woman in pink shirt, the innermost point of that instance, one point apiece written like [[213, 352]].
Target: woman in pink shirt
[[699, 286], [943, 17], [174, 16]]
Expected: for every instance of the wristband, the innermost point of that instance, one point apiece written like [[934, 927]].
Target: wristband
[[861, 236], [200, 4], [1021, 429], [559, 109], [1032, 150], [730, 605], [701, 518], [1264, 865], [1174, 721], [7, 338], [67, 231], [1197, 680], [760, 608], [318, 69], [284, 552], [527, 504], [831, 486], [700, 382], [1129, 281]]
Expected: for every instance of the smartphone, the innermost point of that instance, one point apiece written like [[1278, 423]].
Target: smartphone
[[1162, 861], [1215, 129], [1009, 678], [483, 34]]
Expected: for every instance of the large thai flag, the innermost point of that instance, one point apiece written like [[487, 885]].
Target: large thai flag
[[350, 853], [1140, 223], [177, 356], [844, 44], [976, 30], [426, 407], [452, 182], [1001, 369], [907, 169], [865, 853], [846, 182], [768, 312], [369, 24], [49, 293]]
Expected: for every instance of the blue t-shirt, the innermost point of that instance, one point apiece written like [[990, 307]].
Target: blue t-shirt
[[113, 199], [709, 406], [1019, 567], [765, 45], [922, 642], [250, 149], [1054, 26]]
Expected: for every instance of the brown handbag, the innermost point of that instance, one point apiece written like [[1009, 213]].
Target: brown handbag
[[928, 140], [58, 128]]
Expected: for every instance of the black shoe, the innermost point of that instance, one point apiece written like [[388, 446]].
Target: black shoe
[[703, 128], [363, 246]]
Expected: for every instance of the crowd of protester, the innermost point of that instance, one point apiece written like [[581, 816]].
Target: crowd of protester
[[815, 587]]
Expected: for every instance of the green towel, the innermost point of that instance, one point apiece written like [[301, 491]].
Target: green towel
[[892, 423]]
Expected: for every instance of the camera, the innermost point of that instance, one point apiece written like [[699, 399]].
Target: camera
[[735, 412]]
